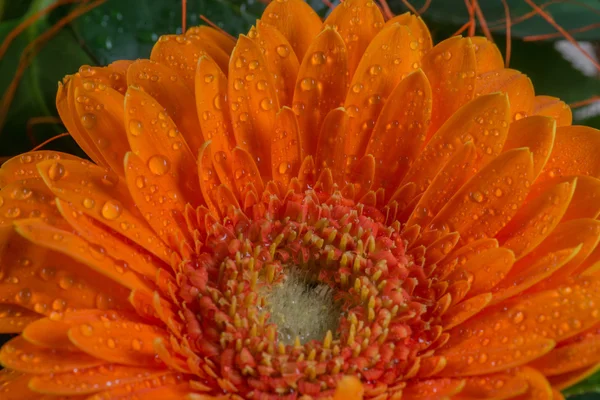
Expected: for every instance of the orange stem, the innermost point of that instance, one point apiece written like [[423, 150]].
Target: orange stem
[[462, 29], [508, 34], [39, 146], [482, 21], [217, 27], [533, 38], [582, 103], [559, 28], [409, 6], [425, 6], [183, 15], [37, 121], [386, 9]]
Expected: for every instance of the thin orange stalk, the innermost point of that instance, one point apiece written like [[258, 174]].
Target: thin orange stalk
[[31, 50], [183, 15], [28, 22], [37, 121], [472, 21], [508, 33], [410, 7], [534, 38], [582, 103], [559, 28], [425, 6], [45, 142], [386, 9], [482, 21], [328, 3], [217, 27], [462, 28], [522, 18]]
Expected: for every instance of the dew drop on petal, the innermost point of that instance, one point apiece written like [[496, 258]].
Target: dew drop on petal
[[112, 209], [283, 51], [56, 171], [88, 120], [88, 203], [158, 165], [266, 104], [135, 127]]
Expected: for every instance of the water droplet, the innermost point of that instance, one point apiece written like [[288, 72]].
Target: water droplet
[[88, 203], [56, 171], [217, 102], [112, 209], [253, 65], [208, 78], [66, 282], [318, 58], [414, 45], [86, 330], [447, 55], [24, 296], [244, 117], [476, 196], [238, 84], [135, 127], [136, 344], [307, 84], [283, 51], [266, 104], [88, 120], [357, 88], [375, 70], [283, 167], [262, 85], [498, 192], [519, 317], [158, 165], [13, 212]]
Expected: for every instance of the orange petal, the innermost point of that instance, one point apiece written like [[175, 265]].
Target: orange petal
[[167, 88], [490, 195], [461, 254], [91, 255], [418, 29], [166, 387], [447, 182], [90, 380], [488, 132], [104, 198], [181, 54], [100, 111], [209, 180], [450, 67], [554, 108], [358, 22], [391, 56], [245, 172], [296, 20], [584, 203], [487, 55], [281, 60], [285, 148], [50, 282], [20, 355], [121, 342], [464, 310], [24, 167], [13, 319], [349, 388], [158, 198], [585, 232], [321, 85], [14, 385], [433, 388], [213, 110], [396, 140], [362, 175], [536, 133], [29, 198], [226, 43], [137, 259], [160, 144], [252, 119], [329, 153], [563, 381], [544, 314], [579, 143], [536, 219], [516, 85], [65, 104], [488, 268], [538, 386], [497, 386], [573, 356]]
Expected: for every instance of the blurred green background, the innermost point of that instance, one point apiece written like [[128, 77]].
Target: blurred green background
[[126, 29]]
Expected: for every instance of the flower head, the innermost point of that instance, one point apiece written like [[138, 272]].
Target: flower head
[[318, 209]]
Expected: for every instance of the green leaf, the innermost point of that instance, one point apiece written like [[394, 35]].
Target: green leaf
[[128, 29], [589, 387], [36, 93]]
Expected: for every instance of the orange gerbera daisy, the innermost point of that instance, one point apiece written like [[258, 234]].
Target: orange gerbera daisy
[[316, 210]]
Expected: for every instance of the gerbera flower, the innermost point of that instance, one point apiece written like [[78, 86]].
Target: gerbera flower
[[318, 209]]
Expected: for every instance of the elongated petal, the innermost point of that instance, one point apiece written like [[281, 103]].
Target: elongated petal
[[488, 268], [285, 148], [181, 54], [537, 219], [487, 131], [535, 133], [396, 140], [451, 69], [165, 86], [245, 172], [22, 356], [331, 142], [584, 203], [516, 85], [281, 60], [13, 318], [418, 28], [296, 20], [104, 198], [462, 311], [487, 55], [538, 385], [91, 255], [357, 21], [320, 86], [554, 108], [391, 56], [496, 386], [579, 143], [252, 119], [168, 386], [221, 39], [571, 357], [491, 195], [14, 385], [159, 144], [434, 388], [24, 167]]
